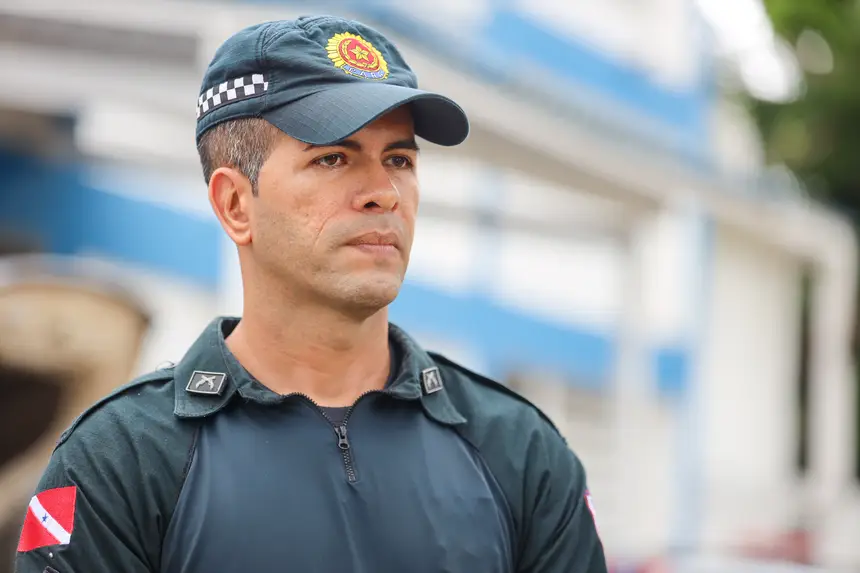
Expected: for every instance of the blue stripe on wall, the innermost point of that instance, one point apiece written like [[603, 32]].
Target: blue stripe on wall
[[506, 339], [672, 370], [570, 59], [50, 201]]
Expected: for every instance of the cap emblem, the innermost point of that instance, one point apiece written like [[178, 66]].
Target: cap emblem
[[357, 57]]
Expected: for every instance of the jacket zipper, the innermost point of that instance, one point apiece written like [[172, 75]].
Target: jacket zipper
[[340, 431], [343, 444]]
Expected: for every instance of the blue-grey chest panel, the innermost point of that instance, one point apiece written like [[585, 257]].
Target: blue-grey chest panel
[[268, 489]]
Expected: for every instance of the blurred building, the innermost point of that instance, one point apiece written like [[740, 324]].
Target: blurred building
[[606, 241], [68, 335]]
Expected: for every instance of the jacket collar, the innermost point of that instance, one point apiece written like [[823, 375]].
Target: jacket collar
[[420, 378], [209, 376]]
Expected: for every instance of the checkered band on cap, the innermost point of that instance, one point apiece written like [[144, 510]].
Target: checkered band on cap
[[234, 90]]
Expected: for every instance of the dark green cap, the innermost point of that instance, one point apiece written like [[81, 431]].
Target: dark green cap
[[320, 79]]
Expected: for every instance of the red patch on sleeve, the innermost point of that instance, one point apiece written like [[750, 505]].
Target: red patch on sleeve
[[50, 519]]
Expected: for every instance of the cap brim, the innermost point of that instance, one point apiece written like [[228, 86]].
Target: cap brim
[[333, 114]]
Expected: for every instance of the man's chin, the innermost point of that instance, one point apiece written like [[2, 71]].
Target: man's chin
[[369, 294], [378, 295]]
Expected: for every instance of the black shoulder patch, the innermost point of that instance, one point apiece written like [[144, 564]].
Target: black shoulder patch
[[481, 379], [155, 376]]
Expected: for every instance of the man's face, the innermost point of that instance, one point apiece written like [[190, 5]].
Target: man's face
[[336, 223]]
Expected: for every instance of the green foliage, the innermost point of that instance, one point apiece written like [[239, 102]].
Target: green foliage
[[818, 135]]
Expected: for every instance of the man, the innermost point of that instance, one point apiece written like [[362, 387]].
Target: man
[[311, 435]]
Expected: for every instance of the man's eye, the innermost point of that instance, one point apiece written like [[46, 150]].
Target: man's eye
[[331, 160], [400, 162]]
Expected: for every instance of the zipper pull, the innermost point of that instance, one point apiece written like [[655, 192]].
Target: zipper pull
[[342, 441]]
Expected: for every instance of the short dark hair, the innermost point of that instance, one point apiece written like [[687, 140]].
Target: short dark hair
[[243, 144]]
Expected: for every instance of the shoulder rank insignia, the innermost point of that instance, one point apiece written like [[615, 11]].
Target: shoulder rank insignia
[[206, 383], [431, 380]]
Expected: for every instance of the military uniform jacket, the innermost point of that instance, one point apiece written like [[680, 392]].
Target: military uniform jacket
[[200, 468]]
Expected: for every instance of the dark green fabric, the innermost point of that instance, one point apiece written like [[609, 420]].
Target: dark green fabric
[[129, 455], [544, 481]]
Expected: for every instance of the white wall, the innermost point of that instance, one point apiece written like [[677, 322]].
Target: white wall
[[735, 139], [748, 397], [659, 37], [569, 272]]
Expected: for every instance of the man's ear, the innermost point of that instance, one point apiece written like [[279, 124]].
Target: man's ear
[[230, 195]]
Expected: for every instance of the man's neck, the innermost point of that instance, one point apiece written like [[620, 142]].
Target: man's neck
[[317, 352]]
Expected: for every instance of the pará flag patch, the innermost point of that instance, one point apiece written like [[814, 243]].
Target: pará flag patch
[[50, 519]]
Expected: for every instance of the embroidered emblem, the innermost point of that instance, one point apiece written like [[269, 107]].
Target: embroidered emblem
[[357, 57]]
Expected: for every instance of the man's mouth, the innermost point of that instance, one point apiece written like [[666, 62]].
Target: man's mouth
[[377, 241]]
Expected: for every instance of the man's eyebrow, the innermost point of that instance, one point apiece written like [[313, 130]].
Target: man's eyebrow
[[403, 144], [356, 146], [348, 143]]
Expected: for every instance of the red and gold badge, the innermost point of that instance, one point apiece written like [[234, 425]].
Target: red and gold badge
[[357, 57]]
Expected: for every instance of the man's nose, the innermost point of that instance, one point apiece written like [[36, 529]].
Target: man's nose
[[380, 194]]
